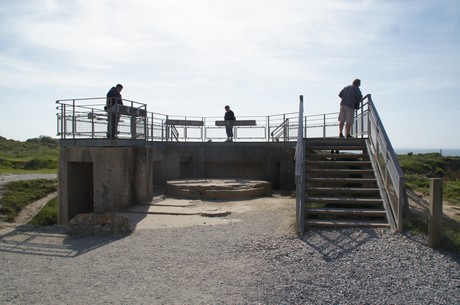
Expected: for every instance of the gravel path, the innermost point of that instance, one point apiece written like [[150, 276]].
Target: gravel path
[[256, 260]]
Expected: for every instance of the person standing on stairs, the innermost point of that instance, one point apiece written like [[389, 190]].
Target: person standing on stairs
[[351, 99]]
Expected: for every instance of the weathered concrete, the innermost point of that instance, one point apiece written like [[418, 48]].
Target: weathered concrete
[[217, 188], [90, 223], [103, 179], [104, 176]]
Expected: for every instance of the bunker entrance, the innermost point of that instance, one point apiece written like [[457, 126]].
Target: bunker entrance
[[80, 188]]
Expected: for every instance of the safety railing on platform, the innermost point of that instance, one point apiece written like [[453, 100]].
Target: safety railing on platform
[[85, 118]]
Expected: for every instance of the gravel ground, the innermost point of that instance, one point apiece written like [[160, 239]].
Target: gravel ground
[[256, 260]]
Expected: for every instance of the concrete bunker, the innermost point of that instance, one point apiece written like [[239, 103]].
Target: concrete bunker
[[98, 177]]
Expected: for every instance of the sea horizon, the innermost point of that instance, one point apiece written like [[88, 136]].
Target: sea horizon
[[446, 152]]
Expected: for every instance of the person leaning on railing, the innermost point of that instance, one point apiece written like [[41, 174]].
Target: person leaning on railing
[[113, 98], [351, 97]]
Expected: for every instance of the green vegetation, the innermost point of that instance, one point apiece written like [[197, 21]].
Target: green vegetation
[[34, 155], [47, 215], [418, 169], [18, 194], [450, 239]]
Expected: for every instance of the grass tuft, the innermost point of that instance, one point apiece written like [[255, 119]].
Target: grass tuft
[[47, 215]]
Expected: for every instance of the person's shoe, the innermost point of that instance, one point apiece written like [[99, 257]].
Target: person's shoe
[[350, 136], [341, 135]]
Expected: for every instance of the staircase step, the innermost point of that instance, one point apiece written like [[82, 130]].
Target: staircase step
[[335, 147], [346, 223], [348, 190], [341, 180], [347, 171], [344, 211], [344, 200], [336, 156], [339, 163]]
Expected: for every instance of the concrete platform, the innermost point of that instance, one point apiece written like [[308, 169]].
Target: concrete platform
[[217, 188], [165, 212]]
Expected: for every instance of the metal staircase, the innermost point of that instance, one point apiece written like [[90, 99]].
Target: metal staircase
[[341, 184]]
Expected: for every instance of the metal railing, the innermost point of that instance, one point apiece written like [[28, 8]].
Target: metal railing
[[85, 118], [390, 175], [367, 124], [300, 173]]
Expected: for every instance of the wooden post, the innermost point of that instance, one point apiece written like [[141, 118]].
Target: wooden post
[[435, 219]]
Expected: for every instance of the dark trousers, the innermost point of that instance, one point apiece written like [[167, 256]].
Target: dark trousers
[[112, 126], [229, 131]]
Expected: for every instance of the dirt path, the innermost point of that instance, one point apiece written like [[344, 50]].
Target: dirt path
[[32, 209], [420, 204]]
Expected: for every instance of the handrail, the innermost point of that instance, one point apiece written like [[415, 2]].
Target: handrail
[[279, 130], [300, 173], [390, 175], [174, 133]]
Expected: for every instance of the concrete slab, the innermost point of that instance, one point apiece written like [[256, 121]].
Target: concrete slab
[[179, 212], [217, 188]]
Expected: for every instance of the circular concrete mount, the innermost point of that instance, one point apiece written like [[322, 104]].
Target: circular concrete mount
[[217, 188]]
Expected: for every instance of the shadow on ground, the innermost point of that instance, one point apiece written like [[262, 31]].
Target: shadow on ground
[[52, 241]]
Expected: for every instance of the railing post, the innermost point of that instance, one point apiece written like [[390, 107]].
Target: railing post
[[401, 200], [435, 220], [74, 123], [300, 173], [324, 125], [267, 128], [63, 122], [305, 127], [92, 123], [166, 128]]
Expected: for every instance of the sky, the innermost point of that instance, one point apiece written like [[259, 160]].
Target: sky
[[193, 57]]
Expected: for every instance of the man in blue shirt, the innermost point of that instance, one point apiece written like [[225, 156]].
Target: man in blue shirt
[[351, 99]]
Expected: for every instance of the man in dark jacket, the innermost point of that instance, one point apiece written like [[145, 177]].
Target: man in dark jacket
[[229, 116], [113, 98], [351, 99]]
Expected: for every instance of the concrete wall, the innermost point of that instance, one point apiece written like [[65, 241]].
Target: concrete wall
[[104, 179]]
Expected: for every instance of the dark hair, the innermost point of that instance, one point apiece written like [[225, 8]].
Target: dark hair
[[357, 82], [227, 107], [119, 86]]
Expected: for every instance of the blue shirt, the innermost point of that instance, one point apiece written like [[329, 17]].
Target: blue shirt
[[351, 95]]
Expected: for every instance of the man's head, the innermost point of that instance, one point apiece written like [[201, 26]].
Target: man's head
[[227, 108], [119, 87], [357, 82]]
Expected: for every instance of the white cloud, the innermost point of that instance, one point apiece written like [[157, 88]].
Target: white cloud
[[191, 55]]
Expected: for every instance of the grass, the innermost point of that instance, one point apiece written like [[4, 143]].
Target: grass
[[34, 155], [418, 169], [18, 194], [450, 239], [47, 215]]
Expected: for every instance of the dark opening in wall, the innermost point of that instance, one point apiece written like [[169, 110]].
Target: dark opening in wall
[[80, 188], [186, 169]]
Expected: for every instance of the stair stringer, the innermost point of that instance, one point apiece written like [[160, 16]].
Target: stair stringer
[[383, 193]]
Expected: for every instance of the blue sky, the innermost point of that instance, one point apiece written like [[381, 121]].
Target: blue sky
[[193, 57]]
